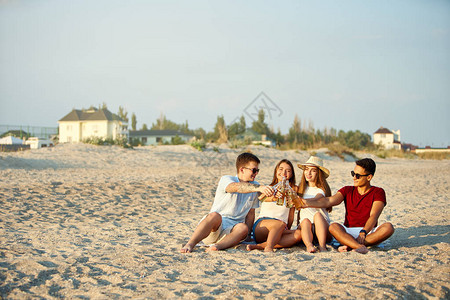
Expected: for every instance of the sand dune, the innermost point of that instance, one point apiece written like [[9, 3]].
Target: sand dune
[[88, 222]]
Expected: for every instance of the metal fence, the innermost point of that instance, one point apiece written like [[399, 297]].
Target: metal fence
[[22, 131]]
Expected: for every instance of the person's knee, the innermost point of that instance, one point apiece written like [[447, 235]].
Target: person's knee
[[306, 223], [214, 216], [241, 229], [297, 235], [389, 228], [334, 228], [279, 224]]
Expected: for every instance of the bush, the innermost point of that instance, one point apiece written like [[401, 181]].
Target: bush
[[434, 155], [176, 140], [100, 141], [199, 145], [339, 150], [394, 153], [235, 144]]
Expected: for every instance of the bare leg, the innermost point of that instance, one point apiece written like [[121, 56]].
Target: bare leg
[[321, 231], [237, 234], [383, 232], [307, 236], [288, 239], [268, 233], [206, 226], [275, 233], [346, 239]]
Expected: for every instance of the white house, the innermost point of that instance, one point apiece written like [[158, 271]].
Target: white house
[[37, 143], [157, 137], [82, 124], [387, 138], [10, 140]]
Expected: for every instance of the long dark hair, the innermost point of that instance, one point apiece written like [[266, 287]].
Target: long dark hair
[[291, 180], [321, 183]]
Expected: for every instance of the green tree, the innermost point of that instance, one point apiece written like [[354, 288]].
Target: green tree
[[259, 125], [277, 137], [163, 124], [295, 132], [123, 114], [220, 131], [144, 127], [237, 128], [199, 133], [133, 122]]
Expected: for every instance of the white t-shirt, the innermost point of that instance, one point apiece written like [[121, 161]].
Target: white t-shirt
[[309, 212], [311, 192], [272, 210], [233, 207]]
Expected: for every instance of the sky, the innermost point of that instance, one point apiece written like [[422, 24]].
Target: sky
[[348, 65]]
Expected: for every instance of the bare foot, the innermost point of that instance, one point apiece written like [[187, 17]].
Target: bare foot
[[363, 249], [187, 249], [311, 249], [343, 249], [251, 247], [212, 248], [269, 249], [323, 249]]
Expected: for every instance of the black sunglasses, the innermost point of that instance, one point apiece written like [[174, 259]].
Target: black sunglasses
[[358, 176], [254, 170]]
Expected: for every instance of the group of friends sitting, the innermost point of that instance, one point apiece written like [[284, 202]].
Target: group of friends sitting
[[231, 219]]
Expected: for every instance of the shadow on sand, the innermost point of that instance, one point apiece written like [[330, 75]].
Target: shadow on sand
[[420, 236]]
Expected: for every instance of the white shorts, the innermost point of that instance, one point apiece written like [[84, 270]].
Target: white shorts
[[216, 236], [354, 231]]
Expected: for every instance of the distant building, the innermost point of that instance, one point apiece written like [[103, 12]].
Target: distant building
[[16, 133], [79, 125], [10, 140], [387, 139], [428, 149], [158, 137], [409, 147], [37, 143], [11, 143], [251, 136]]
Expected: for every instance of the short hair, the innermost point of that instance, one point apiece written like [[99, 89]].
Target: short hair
[[367, 164], [244, 158]]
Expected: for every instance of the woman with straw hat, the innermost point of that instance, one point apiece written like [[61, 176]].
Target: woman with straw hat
[[314, 184]]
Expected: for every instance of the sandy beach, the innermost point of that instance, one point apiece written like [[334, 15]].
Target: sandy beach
[[88, 222]]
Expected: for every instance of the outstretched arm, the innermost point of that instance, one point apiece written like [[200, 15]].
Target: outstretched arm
[[375, 212], [247, 187], [320, 201]]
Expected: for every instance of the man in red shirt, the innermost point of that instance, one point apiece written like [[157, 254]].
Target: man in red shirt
[[363, 206]]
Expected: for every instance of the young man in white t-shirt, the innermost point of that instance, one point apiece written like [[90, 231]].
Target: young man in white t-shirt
[[233, 212]]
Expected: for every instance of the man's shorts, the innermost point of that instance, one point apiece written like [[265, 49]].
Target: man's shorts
[[354, 231], [216, 236]]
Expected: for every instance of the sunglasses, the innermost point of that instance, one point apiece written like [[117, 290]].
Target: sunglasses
[[358, 176], [254, 170]]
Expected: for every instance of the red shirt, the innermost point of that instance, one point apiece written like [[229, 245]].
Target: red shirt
[[358, 207]]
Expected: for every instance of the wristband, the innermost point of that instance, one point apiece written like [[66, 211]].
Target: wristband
[[363, 231]]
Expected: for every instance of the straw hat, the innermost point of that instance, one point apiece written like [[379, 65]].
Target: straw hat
[[315, 162]]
